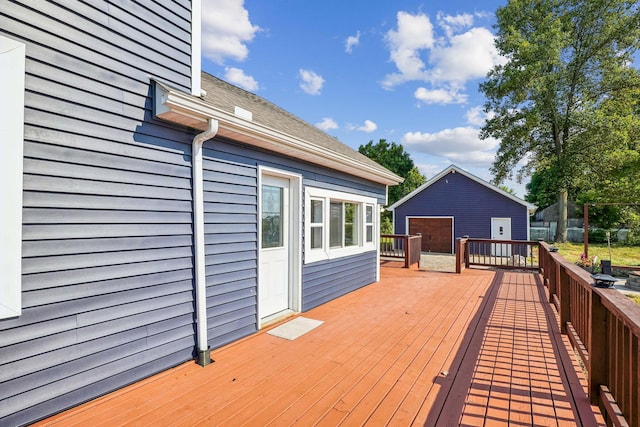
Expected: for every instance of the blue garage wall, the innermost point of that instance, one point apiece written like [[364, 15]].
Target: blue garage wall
[[470, 203]]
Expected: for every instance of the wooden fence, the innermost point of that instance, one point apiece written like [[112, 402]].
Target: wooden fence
[[401, 246]]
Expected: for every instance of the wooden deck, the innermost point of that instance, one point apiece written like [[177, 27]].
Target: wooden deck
[[417, 348]]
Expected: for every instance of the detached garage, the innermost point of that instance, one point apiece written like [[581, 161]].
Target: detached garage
[[456, 203]]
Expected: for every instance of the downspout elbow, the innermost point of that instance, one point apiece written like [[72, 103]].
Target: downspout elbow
[[198, 239]]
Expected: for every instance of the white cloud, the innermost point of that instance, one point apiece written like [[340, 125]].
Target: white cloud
[[460, 145], [430, 170], [327, 124], [440, 96], [446, 63], [467, 56], [226, 29], [237, 76], [476, 116], [368, 127], [310, 82], [454, 23], [414, 34], [351, 42]]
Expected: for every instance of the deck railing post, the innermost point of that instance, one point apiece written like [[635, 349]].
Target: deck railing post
[[598, 348], [460, 257], [407, 251], [466, 253], [551, 277], [562, 280]]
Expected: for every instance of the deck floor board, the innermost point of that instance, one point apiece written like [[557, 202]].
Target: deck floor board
[[417, 348]]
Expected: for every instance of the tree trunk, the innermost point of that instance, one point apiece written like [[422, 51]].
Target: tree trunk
[[561, 231]]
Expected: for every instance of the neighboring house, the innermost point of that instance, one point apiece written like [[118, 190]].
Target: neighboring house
[[145, 224], [456, 203], [551, 214]]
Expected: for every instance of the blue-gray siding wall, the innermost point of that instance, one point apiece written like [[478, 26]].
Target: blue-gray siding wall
[[107, 251], [327, 280], [471, 204], [231, 240], [231, 216]]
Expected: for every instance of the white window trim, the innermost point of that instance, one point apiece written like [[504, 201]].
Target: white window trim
[[326, 253], [12, 64]]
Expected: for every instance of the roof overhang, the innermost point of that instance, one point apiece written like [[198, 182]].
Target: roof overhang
[[184, 109]]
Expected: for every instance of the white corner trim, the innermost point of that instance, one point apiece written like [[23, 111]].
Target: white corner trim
[[12, 64], [196, 47]]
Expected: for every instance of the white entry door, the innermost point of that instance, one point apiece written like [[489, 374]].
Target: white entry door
[[273, 290], [501, 230]]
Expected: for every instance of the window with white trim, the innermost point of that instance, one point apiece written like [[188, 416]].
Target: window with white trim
[[316, 224], [344, 224], [337, 224], [368, 223]]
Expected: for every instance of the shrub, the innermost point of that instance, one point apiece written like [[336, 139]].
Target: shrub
[[599, 235]]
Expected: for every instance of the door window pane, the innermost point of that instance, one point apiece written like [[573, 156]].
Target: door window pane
[[272, 217]]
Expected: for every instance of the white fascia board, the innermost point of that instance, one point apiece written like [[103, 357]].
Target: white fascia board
[[178, 107]]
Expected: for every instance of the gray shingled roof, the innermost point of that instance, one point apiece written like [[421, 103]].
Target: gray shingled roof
[[226, 97]]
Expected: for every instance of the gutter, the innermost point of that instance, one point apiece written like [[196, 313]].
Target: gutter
[[197, 174]]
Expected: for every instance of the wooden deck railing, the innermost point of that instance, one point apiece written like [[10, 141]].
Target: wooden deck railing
[[401, 246], [604, 327], [518, 254]]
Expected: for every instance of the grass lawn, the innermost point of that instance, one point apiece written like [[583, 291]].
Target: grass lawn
[[620, 255], [635, 298]]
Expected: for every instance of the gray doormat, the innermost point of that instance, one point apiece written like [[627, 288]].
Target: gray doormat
[[295, 328]]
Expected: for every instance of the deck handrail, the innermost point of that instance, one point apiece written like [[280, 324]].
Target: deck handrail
[[401, 246], [509, 254], [603, 326]]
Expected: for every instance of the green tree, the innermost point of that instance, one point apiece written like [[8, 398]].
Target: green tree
[[393, 157], [542, 190], [567, 93], [508, 190]]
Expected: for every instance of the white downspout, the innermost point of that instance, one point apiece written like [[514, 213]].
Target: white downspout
[[198, 239]]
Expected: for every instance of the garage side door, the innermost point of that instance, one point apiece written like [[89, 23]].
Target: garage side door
[[437, 233]]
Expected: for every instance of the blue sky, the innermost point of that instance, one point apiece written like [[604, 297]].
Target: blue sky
[[404, 71]]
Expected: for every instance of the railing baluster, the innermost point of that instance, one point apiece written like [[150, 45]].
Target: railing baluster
[[502, 253]]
